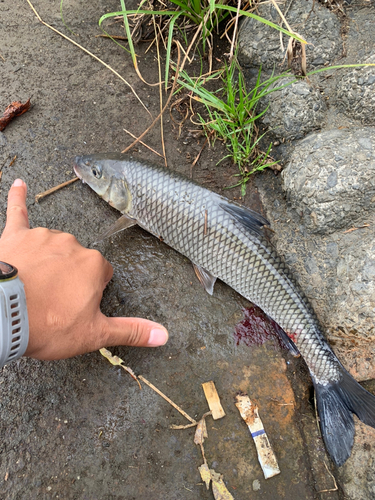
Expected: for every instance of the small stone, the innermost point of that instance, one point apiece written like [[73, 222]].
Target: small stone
[[256, 485]]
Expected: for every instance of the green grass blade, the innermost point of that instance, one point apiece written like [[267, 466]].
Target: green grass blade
[[339, 67], [128, 33], [169, 46], [260, 19], [62, 19]]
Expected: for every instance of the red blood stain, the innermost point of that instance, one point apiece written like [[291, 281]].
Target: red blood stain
[[257, 328]]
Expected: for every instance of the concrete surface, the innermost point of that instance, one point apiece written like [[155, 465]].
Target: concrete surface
[[81, 428]]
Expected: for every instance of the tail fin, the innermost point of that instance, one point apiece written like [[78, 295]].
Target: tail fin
[[336, 403]]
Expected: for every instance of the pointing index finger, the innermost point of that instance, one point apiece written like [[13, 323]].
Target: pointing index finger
[[17, 217]]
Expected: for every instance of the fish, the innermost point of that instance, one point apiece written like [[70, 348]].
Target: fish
[[226, 240]]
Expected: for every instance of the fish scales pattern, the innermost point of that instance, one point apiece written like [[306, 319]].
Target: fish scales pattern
[[189, 218]]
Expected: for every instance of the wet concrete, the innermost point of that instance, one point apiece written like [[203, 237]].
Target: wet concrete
[[81, 428]]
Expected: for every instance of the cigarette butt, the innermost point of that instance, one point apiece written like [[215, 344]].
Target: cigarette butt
[[213, 400], [266, 456]]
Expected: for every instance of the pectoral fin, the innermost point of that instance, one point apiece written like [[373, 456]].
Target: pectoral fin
[[206, 278], [122, 223]]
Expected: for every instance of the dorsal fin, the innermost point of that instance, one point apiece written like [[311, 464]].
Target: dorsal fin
[[248, 218]]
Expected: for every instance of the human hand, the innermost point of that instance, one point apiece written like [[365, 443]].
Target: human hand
[[64, 284]]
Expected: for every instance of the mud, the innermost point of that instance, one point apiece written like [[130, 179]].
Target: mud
[[81, 428]]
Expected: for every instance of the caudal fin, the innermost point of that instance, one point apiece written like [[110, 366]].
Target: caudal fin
[[336, 403]]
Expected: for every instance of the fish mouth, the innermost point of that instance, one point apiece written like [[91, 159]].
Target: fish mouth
[[75, 167]]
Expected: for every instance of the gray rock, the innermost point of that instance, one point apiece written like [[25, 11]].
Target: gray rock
[[355, 94], [329, 179], [3, 139], [336, 271], [293, 111], [259, 44]]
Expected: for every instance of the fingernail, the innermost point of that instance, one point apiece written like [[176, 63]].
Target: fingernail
[[157, 337], [18, 183]]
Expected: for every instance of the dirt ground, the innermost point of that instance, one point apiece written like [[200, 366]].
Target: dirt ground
[[81, 428]]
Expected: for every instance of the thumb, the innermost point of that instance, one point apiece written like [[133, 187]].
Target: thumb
[[134, 332], [17, 217]]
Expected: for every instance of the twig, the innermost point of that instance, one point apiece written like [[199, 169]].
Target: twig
[[160, 93], [143, 143], [167, 399], [197, 157], [162, 111], [2, 57], [355, 228], [188, 426], [282, 17], [87, 52], [234, 32], [52, 190], [334, 482], [116, 361], [13, 160], [116, 37]]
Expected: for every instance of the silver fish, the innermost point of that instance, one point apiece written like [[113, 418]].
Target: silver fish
[[226, 240]]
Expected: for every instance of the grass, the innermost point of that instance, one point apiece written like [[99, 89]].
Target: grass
[[231, 116], [206, 15]]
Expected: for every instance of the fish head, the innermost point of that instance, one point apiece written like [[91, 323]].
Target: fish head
[[104, 174]]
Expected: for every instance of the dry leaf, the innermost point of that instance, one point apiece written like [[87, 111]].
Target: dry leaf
[[201, 432], [205, 474], [219, 489], [14, 109]]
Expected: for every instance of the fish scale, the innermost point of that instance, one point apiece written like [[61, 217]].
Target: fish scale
[[227, 241], [159, 205]]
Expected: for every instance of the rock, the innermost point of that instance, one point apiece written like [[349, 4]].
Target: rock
[[355, 94], [293, 111], [329, 179], [336, 272], [323, 211], [360, 486], [3, 139], [259, 44]]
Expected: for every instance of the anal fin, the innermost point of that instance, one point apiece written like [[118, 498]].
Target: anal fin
[[206, 278]]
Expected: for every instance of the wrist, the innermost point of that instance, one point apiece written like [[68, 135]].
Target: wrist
[[14, 325]]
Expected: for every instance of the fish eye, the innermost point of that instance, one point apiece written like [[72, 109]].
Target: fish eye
[[96, 171]]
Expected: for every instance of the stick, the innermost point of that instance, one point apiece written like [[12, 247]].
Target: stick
[[11, 163], [213, 399], [160, 94], [52, 190], [188, 426], [89, 53], [334, 482], [116, 361], [197, 157], [167, 399], [162, 111], [234, 32], [143, 143]]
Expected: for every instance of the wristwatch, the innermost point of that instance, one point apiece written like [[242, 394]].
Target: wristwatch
[[14, 323]]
